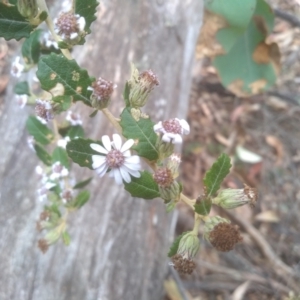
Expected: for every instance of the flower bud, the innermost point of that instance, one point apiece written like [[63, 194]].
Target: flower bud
[[221, 234], [170, 193], [140, 86], [28, 8], [187, 250], [173, 164], [232, 198], [102, 91], [43, 110]]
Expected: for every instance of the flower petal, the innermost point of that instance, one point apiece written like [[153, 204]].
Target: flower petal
[[98, 160], [117, 141], [185, 126], [102, 170], [134, 159], [98, 148], [128, 144], [125, 174], [117, 175], [133, 173], [177, 139], [106, 142], [157, 127]]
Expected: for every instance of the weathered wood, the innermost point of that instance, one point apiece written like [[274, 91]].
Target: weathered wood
[[119, 244]]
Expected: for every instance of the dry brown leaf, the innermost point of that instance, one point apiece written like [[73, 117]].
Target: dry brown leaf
[[173, 292], [207, 44], [274, 142], [269, 216], [237, 88], [258, 86]]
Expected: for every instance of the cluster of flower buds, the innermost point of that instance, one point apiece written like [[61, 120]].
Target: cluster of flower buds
[[17, 68], [187, 250], [221, 233], [232, 198], [70, 27], [102, 91], [141, 84], [43, 110]]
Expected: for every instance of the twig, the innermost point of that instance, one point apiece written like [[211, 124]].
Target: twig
[[242, 276], [293, 20], [289, 98], [179, 283], [280, 268]]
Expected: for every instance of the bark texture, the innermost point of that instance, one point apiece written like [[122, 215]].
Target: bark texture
[[119, 244]]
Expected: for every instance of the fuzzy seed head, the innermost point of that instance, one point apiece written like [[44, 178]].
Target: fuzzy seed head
[[148, 80], [43, 110], [183, 265], [225, 236], [102, 89], [163, 177], [43, 245]]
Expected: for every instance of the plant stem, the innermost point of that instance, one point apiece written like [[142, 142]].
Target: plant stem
[[43, 7], [112, 119], [197, 223], [187, 200]]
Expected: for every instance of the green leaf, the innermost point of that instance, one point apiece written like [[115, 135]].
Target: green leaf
[[203, 206], [75, 132], [63, 75], [31, 48], [216, 174], [41, 133], [86, 9], [237, 15], [80, 152], [81, 184], [42, 154], [60, 155], [253, 64], [143, 187], [61, 103], [93, 114], [81, 199], [22, 88], [141, 131], [12, 24], [66, 238], [126, 94], [175, 245]]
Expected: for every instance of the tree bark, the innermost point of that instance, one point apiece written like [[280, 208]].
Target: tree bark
[[119, 244]]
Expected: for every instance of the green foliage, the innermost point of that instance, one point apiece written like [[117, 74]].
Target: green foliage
[[237, 15], [175, 245], [75, 132], [42, 154], [61, 103], [60, 155], [80, 200], [203, 206], [141, 131], [144, 187], [83, 183], [86, 9], [216, 174], [22, 88], [41, 133], [31, 48], [80, 152], [66, 238], [126, 93], [56, 72], [248, 65], [12, 24]]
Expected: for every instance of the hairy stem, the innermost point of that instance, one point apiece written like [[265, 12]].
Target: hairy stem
[[112, 119]]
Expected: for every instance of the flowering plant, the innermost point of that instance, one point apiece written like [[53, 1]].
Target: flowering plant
[[145, 163]]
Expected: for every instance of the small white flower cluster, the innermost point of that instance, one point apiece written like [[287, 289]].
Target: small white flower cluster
[[73, 118], [116, 158], [69, 26], [22, 100], [172, 130], [17, 68], [48, 41]]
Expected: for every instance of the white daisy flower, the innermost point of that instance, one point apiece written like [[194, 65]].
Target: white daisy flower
[[17, 68], [117, 158], [172, 130]]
